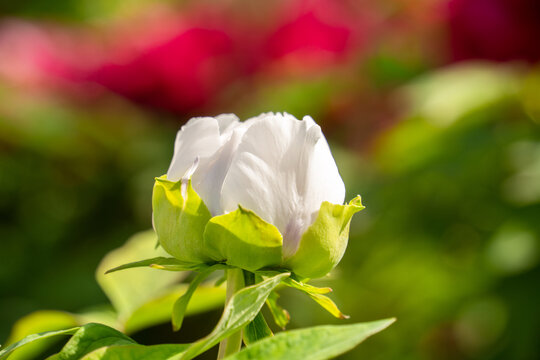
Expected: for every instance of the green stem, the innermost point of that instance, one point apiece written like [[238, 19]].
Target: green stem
[[232, 344]]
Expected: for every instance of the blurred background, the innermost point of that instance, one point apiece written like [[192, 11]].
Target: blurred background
[[431, 107]]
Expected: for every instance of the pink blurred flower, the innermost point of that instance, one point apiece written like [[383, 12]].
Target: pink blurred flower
[[498, 30], [30, 55]]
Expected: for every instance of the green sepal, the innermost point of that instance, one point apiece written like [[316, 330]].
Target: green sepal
[[323, 244], [180, 217], [244, 240]]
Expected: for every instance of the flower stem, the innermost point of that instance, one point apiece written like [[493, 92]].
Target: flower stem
[[232, 344]]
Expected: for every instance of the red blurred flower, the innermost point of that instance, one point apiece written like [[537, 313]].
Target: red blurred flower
[[180, 74], [309, 34], [185, 63], [498, 30]]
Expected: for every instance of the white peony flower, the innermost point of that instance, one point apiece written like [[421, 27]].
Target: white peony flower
[[275, 166]]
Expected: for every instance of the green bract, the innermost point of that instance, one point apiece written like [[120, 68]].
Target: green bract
[[180, 217], [241, 238], [323, 244]]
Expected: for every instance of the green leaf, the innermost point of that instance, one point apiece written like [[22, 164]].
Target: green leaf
[[244, 240], [4, 353], [256, 330], [180, 217], [88, 338], [159, 310], [315, 343], [128, 290], [137, 352], [37, 322], [180, 306], [317, 294], [306, 287], [280, 315], [242, 308], [102, 314], [323, 244], [328, 305], [162, 263]]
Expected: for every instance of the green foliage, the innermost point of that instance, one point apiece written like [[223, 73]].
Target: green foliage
[[256, 330], [137, 352], [180, 306], [316, 343], [306, 287], [4, 353], [37, 322], [130, 289], [90, 337], [242, 308], [280, 315], [317, 294], [158, 310], [141, 297]]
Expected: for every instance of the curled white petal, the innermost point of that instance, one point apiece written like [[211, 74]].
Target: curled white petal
[[200, 137], [272, 174], [273, 164]]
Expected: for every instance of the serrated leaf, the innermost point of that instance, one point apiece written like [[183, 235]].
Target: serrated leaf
[[280, 315], [161, 263], [180, 306], [137, 352], [256, 330], [88, 338], [242, 308], [316, 343], [5, 352]]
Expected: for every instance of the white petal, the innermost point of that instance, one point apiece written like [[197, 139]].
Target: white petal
[[227, 123], [208, 180], [272, 172], [199, 137], [323, 182]]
